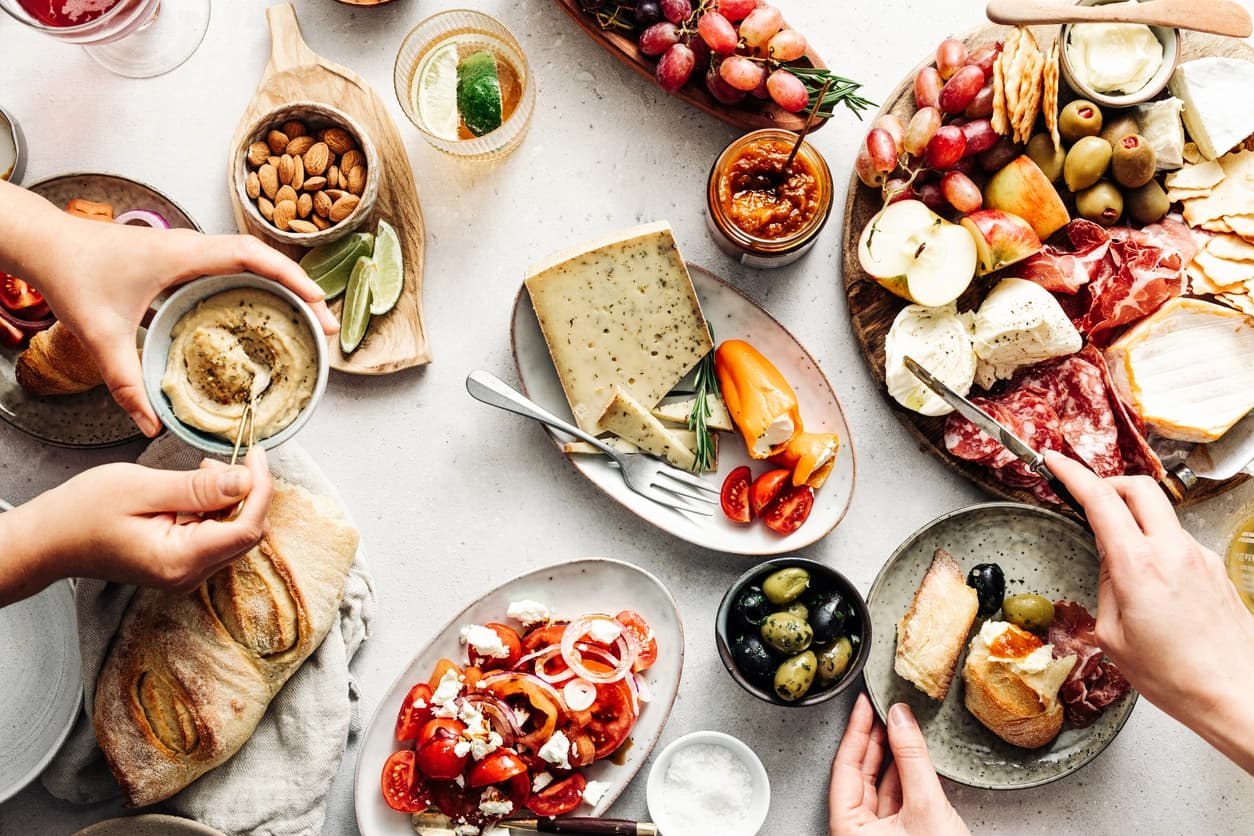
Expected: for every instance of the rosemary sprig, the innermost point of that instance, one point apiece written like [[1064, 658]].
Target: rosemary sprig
[[843, 91], [705, 384]]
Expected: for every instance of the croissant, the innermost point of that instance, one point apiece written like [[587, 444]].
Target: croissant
[[56, 363], [190, 675]]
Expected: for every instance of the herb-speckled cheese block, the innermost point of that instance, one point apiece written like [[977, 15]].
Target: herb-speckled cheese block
[[687, 437], [622, 311], [628, 419]]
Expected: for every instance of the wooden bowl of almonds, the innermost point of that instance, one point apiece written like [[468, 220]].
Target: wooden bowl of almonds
[[307, 173]]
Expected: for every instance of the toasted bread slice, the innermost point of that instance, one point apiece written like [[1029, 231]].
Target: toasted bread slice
[[1022, 709], [931, 634]]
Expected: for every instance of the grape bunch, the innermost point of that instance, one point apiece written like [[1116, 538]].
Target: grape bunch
[[949, 146]]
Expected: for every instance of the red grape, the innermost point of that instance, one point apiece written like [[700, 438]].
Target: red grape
[[788, 91], [761, 91], [676, 11], [879, 143], [961, 192], [981, 105], [787, 45], [865, 169], [648, 12], [980, 136], [721, 90], [740, 72], [736, 10], [951, 56], [945, 148], [658, 38], [895, 189], [892, 124], [919, 132], [966, 165], [718, 33], [996, 158], [931, 195], [960, 90], [927, 88], [984, 58], [700, 51], [675, 66], [759, 27]]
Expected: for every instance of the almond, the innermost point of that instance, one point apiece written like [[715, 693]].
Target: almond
[[284, 213], [338, 140], [285, 169], [320, 222], [252, 185], [357, 180], [269, 179], [298, 173], [285, 193], [303, 227], [333, 177], [322, 203], [299, 145], [351, 160], [294, 128], [304, 205], [266, 207], [258, 154], [313, 184], [273, 160], [277, 140], [343, 207], [335, 194], [317, 158]]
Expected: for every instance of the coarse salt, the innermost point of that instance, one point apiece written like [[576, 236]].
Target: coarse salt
[[706, 790]]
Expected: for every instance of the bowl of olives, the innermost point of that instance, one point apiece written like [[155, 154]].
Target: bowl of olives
[[793, 631]]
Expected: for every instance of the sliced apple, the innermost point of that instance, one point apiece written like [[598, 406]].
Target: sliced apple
[[1001, 239], [916, 254], [1022, 189]]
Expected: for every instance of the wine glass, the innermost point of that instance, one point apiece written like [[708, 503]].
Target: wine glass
[[135, 38]]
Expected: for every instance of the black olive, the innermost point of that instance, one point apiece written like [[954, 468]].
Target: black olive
[[989, 583], [827, 618], [753, 607], [754, 659]]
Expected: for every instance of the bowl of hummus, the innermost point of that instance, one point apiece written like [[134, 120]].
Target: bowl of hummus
[[222, 342], [1117, 64]]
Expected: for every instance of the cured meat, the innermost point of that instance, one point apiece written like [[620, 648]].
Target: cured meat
[[1145, 276], [1170, 234], [1081, 398], [1094, 683], [1061, 271]]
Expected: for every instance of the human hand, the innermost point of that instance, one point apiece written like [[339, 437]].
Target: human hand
[[909, 798]]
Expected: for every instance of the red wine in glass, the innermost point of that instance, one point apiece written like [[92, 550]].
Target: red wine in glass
[[65, 13]]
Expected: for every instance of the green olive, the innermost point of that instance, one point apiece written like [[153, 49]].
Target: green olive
[[1031, 612], [786, 633], [798, 609], [795, 676], [1146, 204], [1079, 119], [1121, 125], [1100, 202], [1132, 164], [1086, 162], [786, 585], [834, 659], [1050, 159]]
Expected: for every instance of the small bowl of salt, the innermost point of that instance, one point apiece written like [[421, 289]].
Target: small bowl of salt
[[707, 782]]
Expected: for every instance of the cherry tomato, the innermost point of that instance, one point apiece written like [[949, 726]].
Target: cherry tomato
[[512, 643], [415, 712], [455, 802], [438, 758], [560, 797], [612, 717], [539, 638], [766, 487], [582, 750], [496, 768], [472, 675], [735, 495], [439, 727], [442, 667], [17, 295], [635, 623], [790, 509], [404, 791], [518, 789], [10, 336]]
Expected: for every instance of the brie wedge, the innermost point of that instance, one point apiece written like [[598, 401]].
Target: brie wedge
[[1216, 94], [1020, 323], [1159, 122], [940, 340]]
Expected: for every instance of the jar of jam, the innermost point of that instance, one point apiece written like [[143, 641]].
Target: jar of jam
[[759, 214]]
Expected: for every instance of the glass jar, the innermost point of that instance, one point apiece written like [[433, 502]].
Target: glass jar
[[756, 216], [1240, 559]]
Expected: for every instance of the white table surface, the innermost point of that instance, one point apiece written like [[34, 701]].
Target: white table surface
[[454, 497]]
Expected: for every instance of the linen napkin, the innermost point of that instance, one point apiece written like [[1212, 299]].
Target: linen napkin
[[277, 783]]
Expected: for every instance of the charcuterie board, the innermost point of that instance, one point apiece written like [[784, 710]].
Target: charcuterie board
[[872, 309]]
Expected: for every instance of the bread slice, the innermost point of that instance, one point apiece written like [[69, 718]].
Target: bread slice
[[931, 634], [1022, 709]]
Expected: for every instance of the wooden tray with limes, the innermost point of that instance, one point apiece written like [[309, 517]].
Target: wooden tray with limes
[[397, 339]]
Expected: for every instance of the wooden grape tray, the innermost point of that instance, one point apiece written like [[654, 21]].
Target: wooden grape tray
[[872, 308]]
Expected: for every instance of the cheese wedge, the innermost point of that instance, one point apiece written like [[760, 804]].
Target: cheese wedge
[[628, 419], [583, 448], [677, 410], [1216, 93], [1159, 122], [1188, 369], [619, 311]]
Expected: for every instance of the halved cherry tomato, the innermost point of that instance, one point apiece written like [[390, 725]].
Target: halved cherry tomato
[[455, 802], [415, 712], [439, 727], [635, 623], [17, 295], [512, 643], [735, 495], [790, 509], [442, 667], [438, 758], [518, 789], [496, 768], [403, 790], [559, 797], [539, 638], [10, 336], [612, 718], [766, 487], [582, 750]]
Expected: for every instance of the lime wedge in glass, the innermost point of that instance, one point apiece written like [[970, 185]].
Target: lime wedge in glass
[[331, 264], [435, 94], [356, 317], [388, 280], [479, 92]]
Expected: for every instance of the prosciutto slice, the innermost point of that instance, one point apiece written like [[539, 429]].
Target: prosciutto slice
[[1094, 683], [1060, 270]]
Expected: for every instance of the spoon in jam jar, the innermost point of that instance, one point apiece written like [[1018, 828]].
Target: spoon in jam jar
[[772, 180]]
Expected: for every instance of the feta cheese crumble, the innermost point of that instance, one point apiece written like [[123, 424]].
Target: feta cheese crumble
[[604, 632], [528, 612], [484, 641], [594, 792], [556, 750]]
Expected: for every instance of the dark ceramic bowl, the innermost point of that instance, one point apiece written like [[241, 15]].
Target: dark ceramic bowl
[[728, 626]]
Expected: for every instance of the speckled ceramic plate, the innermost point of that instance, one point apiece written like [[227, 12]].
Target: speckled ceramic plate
[[41, 683], [1041, 552], [149, 824], [90, 419]]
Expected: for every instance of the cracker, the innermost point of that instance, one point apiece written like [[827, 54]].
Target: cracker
[[1178, 195], [1050, 104], [1205, 175], [1199, 282], [999, 120], [1230, 247], [1217, 225], [1223, 273], [1242, 225], [1242, 302], [1191, 153]]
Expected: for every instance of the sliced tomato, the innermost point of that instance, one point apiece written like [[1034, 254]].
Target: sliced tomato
[[541, 637], [634, 622], [518, 789], [18, 296], [10, 336], [415, 712], [404, 790], [545, 714], [582, 750], [735, 495], [438, 758], [442, 667], [612, 718], [790, 509], [766, 487], [496, 768], [512, 643], [560, 797]]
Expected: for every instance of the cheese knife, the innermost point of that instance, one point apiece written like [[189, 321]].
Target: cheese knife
[[1034, 460], [432, 823]]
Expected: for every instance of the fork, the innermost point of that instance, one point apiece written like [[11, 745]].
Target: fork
[[644, 475]]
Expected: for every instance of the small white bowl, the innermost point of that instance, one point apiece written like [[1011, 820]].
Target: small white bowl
[[157, 349], [760, 794], [1171, 43]]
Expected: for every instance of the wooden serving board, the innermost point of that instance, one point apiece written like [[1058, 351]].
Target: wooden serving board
[[397, 339], [872, 309], [750, 115]]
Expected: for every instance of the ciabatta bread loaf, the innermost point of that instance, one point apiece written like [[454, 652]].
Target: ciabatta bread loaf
[[190, 675], [56, 363], [931, 634]]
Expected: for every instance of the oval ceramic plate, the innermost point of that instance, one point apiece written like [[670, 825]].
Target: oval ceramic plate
[[569, 590], [92, 418], [732, 315], [43, 683], [1041, 552], [149, 824]]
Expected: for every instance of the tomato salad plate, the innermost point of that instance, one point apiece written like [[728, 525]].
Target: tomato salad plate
[[544, 697]]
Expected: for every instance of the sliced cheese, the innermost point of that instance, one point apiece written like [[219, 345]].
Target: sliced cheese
[[1216, 93], [619, 311], [628, 419], [1188, 369], [1159, 122], [677, 410], [939, 339], [583, 448]]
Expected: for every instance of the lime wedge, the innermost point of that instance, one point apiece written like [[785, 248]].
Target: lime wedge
[[388, 280], [356, 317], [479, 92], [332, 275], [435, 95], [322, 260]]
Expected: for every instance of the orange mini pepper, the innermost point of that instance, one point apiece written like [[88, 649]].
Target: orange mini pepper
[[90, 210], [755, 392], [801, 455]]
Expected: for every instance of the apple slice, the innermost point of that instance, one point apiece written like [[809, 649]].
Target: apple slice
[[1022, 189], [1001, 239], [916, 254]]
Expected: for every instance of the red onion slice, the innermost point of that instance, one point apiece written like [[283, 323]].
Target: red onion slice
[[574, 649], [580, 694], [143, 216]]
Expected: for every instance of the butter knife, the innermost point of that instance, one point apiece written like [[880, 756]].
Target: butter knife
[[432, 823], [1034, 460]]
